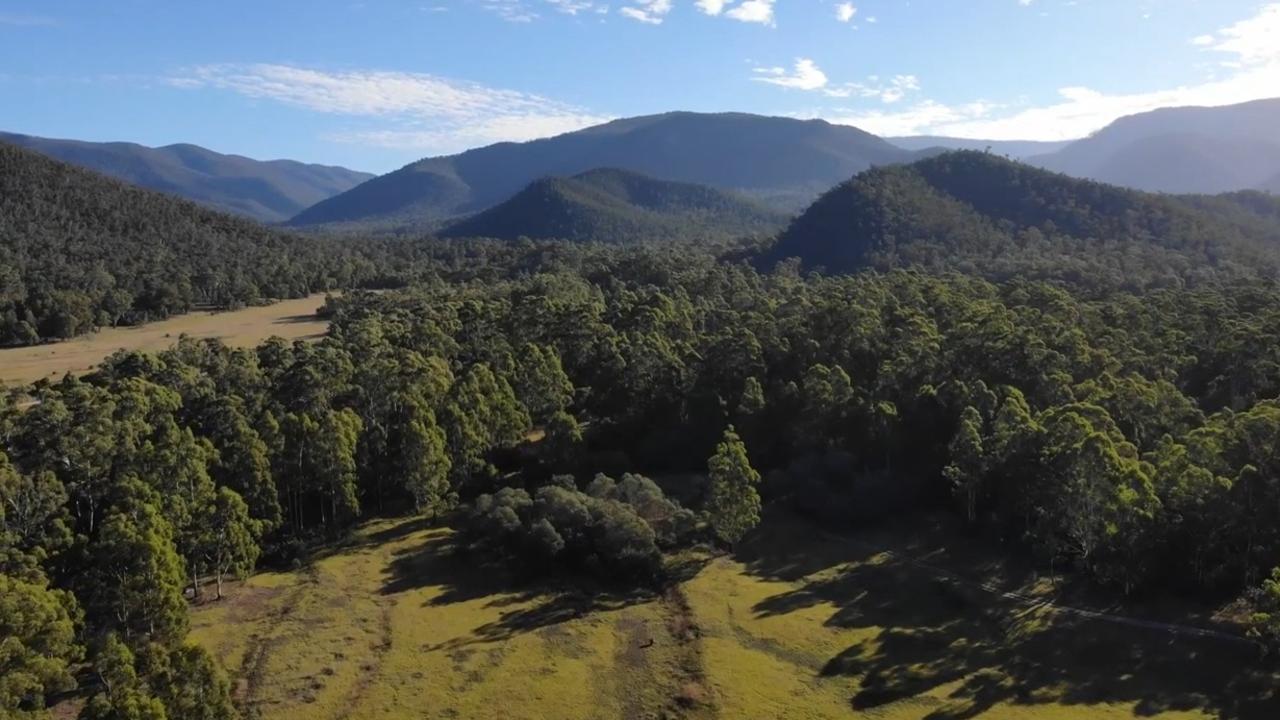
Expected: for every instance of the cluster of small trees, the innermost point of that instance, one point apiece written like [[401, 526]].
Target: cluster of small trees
[[615, 530]]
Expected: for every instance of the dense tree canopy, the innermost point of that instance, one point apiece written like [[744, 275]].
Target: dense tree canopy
[[567, 406]]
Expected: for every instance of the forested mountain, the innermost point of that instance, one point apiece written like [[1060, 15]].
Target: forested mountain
[[1017, 149], [1180, 150], [79, 250], [270, 191], [781, 160], [609, 205], [980, 213]]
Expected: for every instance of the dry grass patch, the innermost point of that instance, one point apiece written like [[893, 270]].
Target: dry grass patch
[[289, 319]]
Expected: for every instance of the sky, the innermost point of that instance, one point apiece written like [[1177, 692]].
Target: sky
[[376, 84]]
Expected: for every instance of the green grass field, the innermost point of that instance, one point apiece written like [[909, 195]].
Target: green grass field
[[798, 624]]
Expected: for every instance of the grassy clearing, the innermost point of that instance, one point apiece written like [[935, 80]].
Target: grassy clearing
[[797, 625], [832, 627], [396, 626], [290, 319]]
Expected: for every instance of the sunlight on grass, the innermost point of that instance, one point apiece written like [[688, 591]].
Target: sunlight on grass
[[393, 625]]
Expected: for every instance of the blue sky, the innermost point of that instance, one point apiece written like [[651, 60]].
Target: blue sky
[[376, 84]]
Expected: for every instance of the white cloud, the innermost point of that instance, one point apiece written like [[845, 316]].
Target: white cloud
[[753, 11], [651, 12], [1252, 59], [805, 75], [891, 91], [1254, 41], [845, 12], [423, 111]]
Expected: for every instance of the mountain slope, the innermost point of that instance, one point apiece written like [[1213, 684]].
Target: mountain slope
[[610, 205], [782, 160], [270, 191], [979, 213], [1181, 150], [79, 250]]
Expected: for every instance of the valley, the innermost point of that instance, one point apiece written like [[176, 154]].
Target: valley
[[679, 360]]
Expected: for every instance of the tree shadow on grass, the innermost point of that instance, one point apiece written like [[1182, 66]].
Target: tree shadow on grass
[[526, 601], [965, 649]]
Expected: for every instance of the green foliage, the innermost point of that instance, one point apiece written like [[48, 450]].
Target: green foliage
[[1264, 621], [125, 695], [228, 540], [557, 525], [734, 505], [34, 523], [672, 524], [134, 585], [425, 464], [38, 648]]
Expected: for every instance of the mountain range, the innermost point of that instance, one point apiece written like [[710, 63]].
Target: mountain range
[[780, 161], [610, 205], [268, 191], [1181, 150]]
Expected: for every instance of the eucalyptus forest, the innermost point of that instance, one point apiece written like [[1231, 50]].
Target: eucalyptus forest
[[1083, 378]]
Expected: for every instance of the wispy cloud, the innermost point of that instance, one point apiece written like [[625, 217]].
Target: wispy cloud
[[574, 7], [516, 11], [845, 12], [1249, 69], [419, 111], [651, 12], [887, 91], [804, 75]]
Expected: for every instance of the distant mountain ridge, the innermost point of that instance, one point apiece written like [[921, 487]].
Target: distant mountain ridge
[[782, 160], [611, 205], [981, 213], [1180, 150], [1016, 149], [268, 191]]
